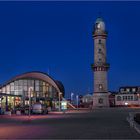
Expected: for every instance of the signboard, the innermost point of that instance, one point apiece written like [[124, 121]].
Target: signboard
[[63, 105]]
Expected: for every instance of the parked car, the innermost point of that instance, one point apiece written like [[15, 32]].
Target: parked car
[[39, 108], [26, 109], [1, 111]]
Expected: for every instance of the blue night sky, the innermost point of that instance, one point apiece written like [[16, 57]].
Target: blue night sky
[[56, 37]]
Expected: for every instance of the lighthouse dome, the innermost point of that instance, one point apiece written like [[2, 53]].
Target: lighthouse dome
[[99, 19], [99, 24]]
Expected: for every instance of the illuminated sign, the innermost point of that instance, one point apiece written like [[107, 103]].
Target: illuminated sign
[[63, 105], [126, 103]]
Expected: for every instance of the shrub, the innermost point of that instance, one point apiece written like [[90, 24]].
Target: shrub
[[137, 118]]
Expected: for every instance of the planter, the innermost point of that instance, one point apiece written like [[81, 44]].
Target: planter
[[18, 112], [8, 113]]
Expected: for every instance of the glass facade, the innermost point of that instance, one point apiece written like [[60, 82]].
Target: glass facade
[[21, 87], [17, 93]]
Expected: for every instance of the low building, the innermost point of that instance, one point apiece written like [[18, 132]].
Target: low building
[[16, 91], [112, 95], [128, 96], [87, 100]]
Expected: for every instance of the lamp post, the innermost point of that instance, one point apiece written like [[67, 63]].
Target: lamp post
[[30, 91], [60, 93], [138, 98], [0, 105], [77, 100], [71, 97]]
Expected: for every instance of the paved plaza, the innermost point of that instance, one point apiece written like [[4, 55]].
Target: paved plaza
[[96, 124]]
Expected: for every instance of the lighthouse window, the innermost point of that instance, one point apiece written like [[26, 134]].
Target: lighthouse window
[[100, 86], [128, 90], [99, 41], [100, 101], [100, 59], [99, 50]]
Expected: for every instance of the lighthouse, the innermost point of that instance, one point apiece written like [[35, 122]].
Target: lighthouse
[[100, 66]]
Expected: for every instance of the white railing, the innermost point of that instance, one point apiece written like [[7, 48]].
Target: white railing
[[69, 103]]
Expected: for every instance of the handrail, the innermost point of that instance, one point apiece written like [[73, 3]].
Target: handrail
[[69, 103]]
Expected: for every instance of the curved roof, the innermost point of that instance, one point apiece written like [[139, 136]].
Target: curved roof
[[60, 85], [38, 75]]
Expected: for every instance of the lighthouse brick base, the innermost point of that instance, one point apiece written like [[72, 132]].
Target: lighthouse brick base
[[100, 100]]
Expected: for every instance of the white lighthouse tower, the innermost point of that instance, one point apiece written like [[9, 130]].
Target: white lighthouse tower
[[100, 66]]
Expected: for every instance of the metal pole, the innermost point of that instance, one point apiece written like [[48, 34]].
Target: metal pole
[[59, 101], [77, 101], [30, 90], [72, 97]]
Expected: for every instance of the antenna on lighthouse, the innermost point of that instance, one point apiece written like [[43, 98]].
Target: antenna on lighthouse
[[99, 14]]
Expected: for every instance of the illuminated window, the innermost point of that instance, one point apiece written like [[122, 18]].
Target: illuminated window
[[25, 88], [20, 88], [138, 88], [44, 89], [25, 82], [128, 90], [12, 84], [40, 82], [133, 90], [129, 98], [36, 82], [20, 82], [118, 98], [3, 90], [16, 92], [36, 88], [40, 88], [8, 89], [135, 98], [16, 87], [121, 90], [16, 83], [44, 83], [50, 91], [100, 86], [125, 98], [37, 93], [30, 82]]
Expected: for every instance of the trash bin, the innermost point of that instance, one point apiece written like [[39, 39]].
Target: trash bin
[[49, 109], [8, 113], [26, 112], [18, 112]]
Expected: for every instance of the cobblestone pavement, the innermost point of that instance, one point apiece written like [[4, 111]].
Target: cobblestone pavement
[[97, 124]]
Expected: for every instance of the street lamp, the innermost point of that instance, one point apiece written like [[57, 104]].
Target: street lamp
[[60, 93], [77, 100], [71, 97], [30, 91], [138, 95]]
